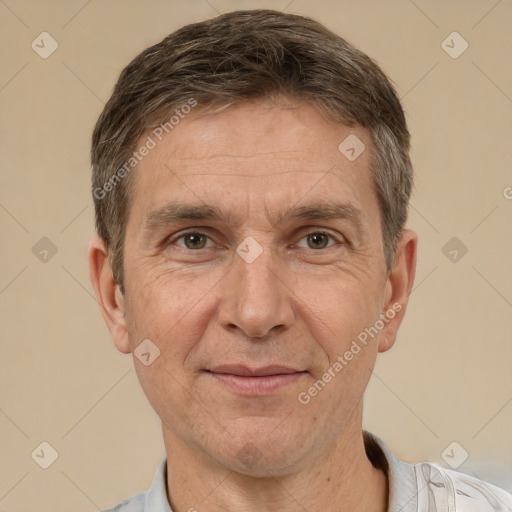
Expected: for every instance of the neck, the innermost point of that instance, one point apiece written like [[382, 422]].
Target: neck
[[339, 478]]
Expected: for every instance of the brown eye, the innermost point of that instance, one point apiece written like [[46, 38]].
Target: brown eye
[[318, 240], [192, 240]]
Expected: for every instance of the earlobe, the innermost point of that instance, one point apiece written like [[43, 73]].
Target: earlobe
[[108, 294], [398, 287]]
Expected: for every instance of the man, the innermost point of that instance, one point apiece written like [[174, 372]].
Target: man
[[251, 177]]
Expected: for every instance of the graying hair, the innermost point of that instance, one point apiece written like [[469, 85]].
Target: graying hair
[[250, 55]]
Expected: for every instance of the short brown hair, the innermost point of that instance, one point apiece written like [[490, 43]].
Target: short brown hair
[[241, 56]]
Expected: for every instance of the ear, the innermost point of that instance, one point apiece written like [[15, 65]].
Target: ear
[[398, 288], [108, 294]]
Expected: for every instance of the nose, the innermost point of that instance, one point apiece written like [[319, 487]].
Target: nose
[[255, 297]]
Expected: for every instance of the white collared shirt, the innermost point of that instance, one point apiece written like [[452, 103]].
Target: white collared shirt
[[420, 487]]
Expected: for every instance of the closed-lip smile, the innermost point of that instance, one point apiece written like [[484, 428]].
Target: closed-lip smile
[[248, 381], [245, 371]]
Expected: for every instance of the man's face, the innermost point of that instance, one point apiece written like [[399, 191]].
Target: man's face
[[262, 287]]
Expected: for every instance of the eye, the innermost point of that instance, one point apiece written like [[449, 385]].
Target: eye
[[318, 240], [192, 240], [195, 240]]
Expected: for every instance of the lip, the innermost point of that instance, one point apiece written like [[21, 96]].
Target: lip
[[245, 371], [255, 381]]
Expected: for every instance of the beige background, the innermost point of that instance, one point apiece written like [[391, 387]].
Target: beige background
[[448, 377]]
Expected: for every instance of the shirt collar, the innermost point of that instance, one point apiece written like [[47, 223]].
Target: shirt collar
[[156, 497], [403, 488]]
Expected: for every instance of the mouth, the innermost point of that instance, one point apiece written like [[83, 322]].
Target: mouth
[[255, 381]]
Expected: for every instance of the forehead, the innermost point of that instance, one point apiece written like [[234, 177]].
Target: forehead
[[257, 128], [255, 150]]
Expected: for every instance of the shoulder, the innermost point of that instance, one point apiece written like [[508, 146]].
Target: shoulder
[[446, 489], [426, 486], [132, 504], [152, 500]]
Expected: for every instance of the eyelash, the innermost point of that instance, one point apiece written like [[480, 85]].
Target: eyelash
[[172, 240]]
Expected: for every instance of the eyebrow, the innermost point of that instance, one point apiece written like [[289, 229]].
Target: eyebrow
[[176, 212]]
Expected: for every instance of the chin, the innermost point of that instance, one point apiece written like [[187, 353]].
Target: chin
[[261, 455]]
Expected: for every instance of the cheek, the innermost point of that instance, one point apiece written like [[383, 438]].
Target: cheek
[[168, 304], [338, 311], [171, 312], [350, 308]]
